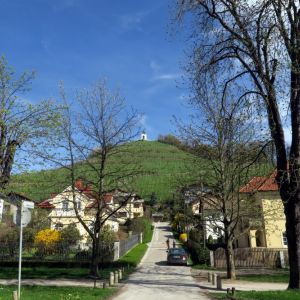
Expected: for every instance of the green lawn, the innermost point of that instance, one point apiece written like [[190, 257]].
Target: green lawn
[[266, 278], [275, 295], [202, 267], [134, 256], [56, 293], [50, 273]]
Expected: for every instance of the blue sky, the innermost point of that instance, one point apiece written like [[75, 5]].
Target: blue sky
[[130, 42]]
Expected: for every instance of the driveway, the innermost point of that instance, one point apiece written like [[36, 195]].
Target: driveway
[[156, 280]]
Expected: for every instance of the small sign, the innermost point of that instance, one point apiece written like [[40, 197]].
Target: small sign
[[26, 217], [28, 204]]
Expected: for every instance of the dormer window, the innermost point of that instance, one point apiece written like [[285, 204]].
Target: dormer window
[[78, 205], [65, 205]]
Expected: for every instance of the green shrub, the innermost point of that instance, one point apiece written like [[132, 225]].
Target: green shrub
[[199, 254], [142, 225], [70, 236]]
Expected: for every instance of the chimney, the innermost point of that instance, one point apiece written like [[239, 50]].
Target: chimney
[[79, 184]]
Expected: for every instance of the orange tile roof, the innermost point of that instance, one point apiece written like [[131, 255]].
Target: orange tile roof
[[261, 184], [45, 204], [107, 199]]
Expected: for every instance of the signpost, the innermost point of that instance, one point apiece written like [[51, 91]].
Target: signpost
[[21, 218]]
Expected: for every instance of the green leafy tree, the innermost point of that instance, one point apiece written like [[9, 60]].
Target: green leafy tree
[[22, 124], [70, 235]]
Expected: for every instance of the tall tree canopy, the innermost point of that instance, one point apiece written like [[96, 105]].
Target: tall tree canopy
[[22, 123], [257, 44]]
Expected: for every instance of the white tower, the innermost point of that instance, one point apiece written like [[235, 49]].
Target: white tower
[[144, 136]]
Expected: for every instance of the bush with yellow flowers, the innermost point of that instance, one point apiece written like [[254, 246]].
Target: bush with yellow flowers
[[183, 237], [46, 240]]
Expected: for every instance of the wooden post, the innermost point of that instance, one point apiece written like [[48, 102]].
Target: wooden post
[[111, 278], [120, 274], [215, 279], [233, 291], [219, 283], [209, 277], [213, 282], [15, 295], [104, 285], [116, 277]]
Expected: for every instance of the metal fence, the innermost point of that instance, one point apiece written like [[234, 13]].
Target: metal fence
[[126, 245]]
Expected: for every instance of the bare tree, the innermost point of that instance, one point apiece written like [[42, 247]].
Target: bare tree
[[225, 125], [261, 39], [22, 124], [94, 141]]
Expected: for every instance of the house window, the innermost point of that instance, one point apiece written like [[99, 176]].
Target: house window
[[65, 205], [136, 205], [58, 226], [122, 214], [78, 205], [284, 239]]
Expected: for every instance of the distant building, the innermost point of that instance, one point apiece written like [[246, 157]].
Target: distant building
[[144, 136]]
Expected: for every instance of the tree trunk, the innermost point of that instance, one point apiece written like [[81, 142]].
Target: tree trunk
[[230, 259], [94, 267], [290, 189], [292, 211]]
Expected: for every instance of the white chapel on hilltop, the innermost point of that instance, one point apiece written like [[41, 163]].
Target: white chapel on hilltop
[[144, 136]]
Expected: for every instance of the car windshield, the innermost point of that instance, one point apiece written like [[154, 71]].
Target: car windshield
[[177, 251]]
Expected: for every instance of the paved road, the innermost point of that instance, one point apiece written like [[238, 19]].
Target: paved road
[[156, 280]]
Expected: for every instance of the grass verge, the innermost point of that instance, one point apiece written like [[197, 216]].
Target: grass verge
[[269, 295], [44, 273], [202, 267], [134, 256], [56, 293], [265, 278]]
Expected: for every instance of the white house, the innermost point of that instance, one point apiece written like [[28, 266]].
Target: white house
[[62, 212]]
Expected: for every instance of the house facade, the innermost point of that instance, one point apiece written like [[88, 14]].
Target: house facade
[[196, 200], [62, 211], [266, 228]]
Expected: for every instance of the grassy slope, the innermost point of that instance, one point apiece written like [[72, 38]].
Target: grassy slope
[[163, 167]]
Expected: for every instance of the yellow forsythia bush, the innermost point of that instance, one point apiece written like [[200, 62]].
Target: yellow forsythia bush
[[47, 237], [183, 237]]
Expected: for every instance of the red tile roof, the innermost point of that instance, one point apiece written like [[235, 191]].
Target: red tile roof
[[107, 199], [261, 184], [45, 204]]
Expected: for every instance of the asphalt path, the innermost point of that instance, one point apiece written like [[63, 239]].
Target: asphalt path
[[154, 279]]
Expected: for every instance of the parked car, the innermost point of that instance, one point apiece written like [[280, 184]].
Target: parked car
[[177, 256]]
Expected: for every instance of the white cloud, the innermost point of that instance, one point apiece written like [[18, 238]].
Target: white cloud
[[167, 76]]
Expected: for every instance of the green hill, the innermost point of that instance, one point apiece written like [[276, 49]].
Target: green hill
[[164, 168]]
